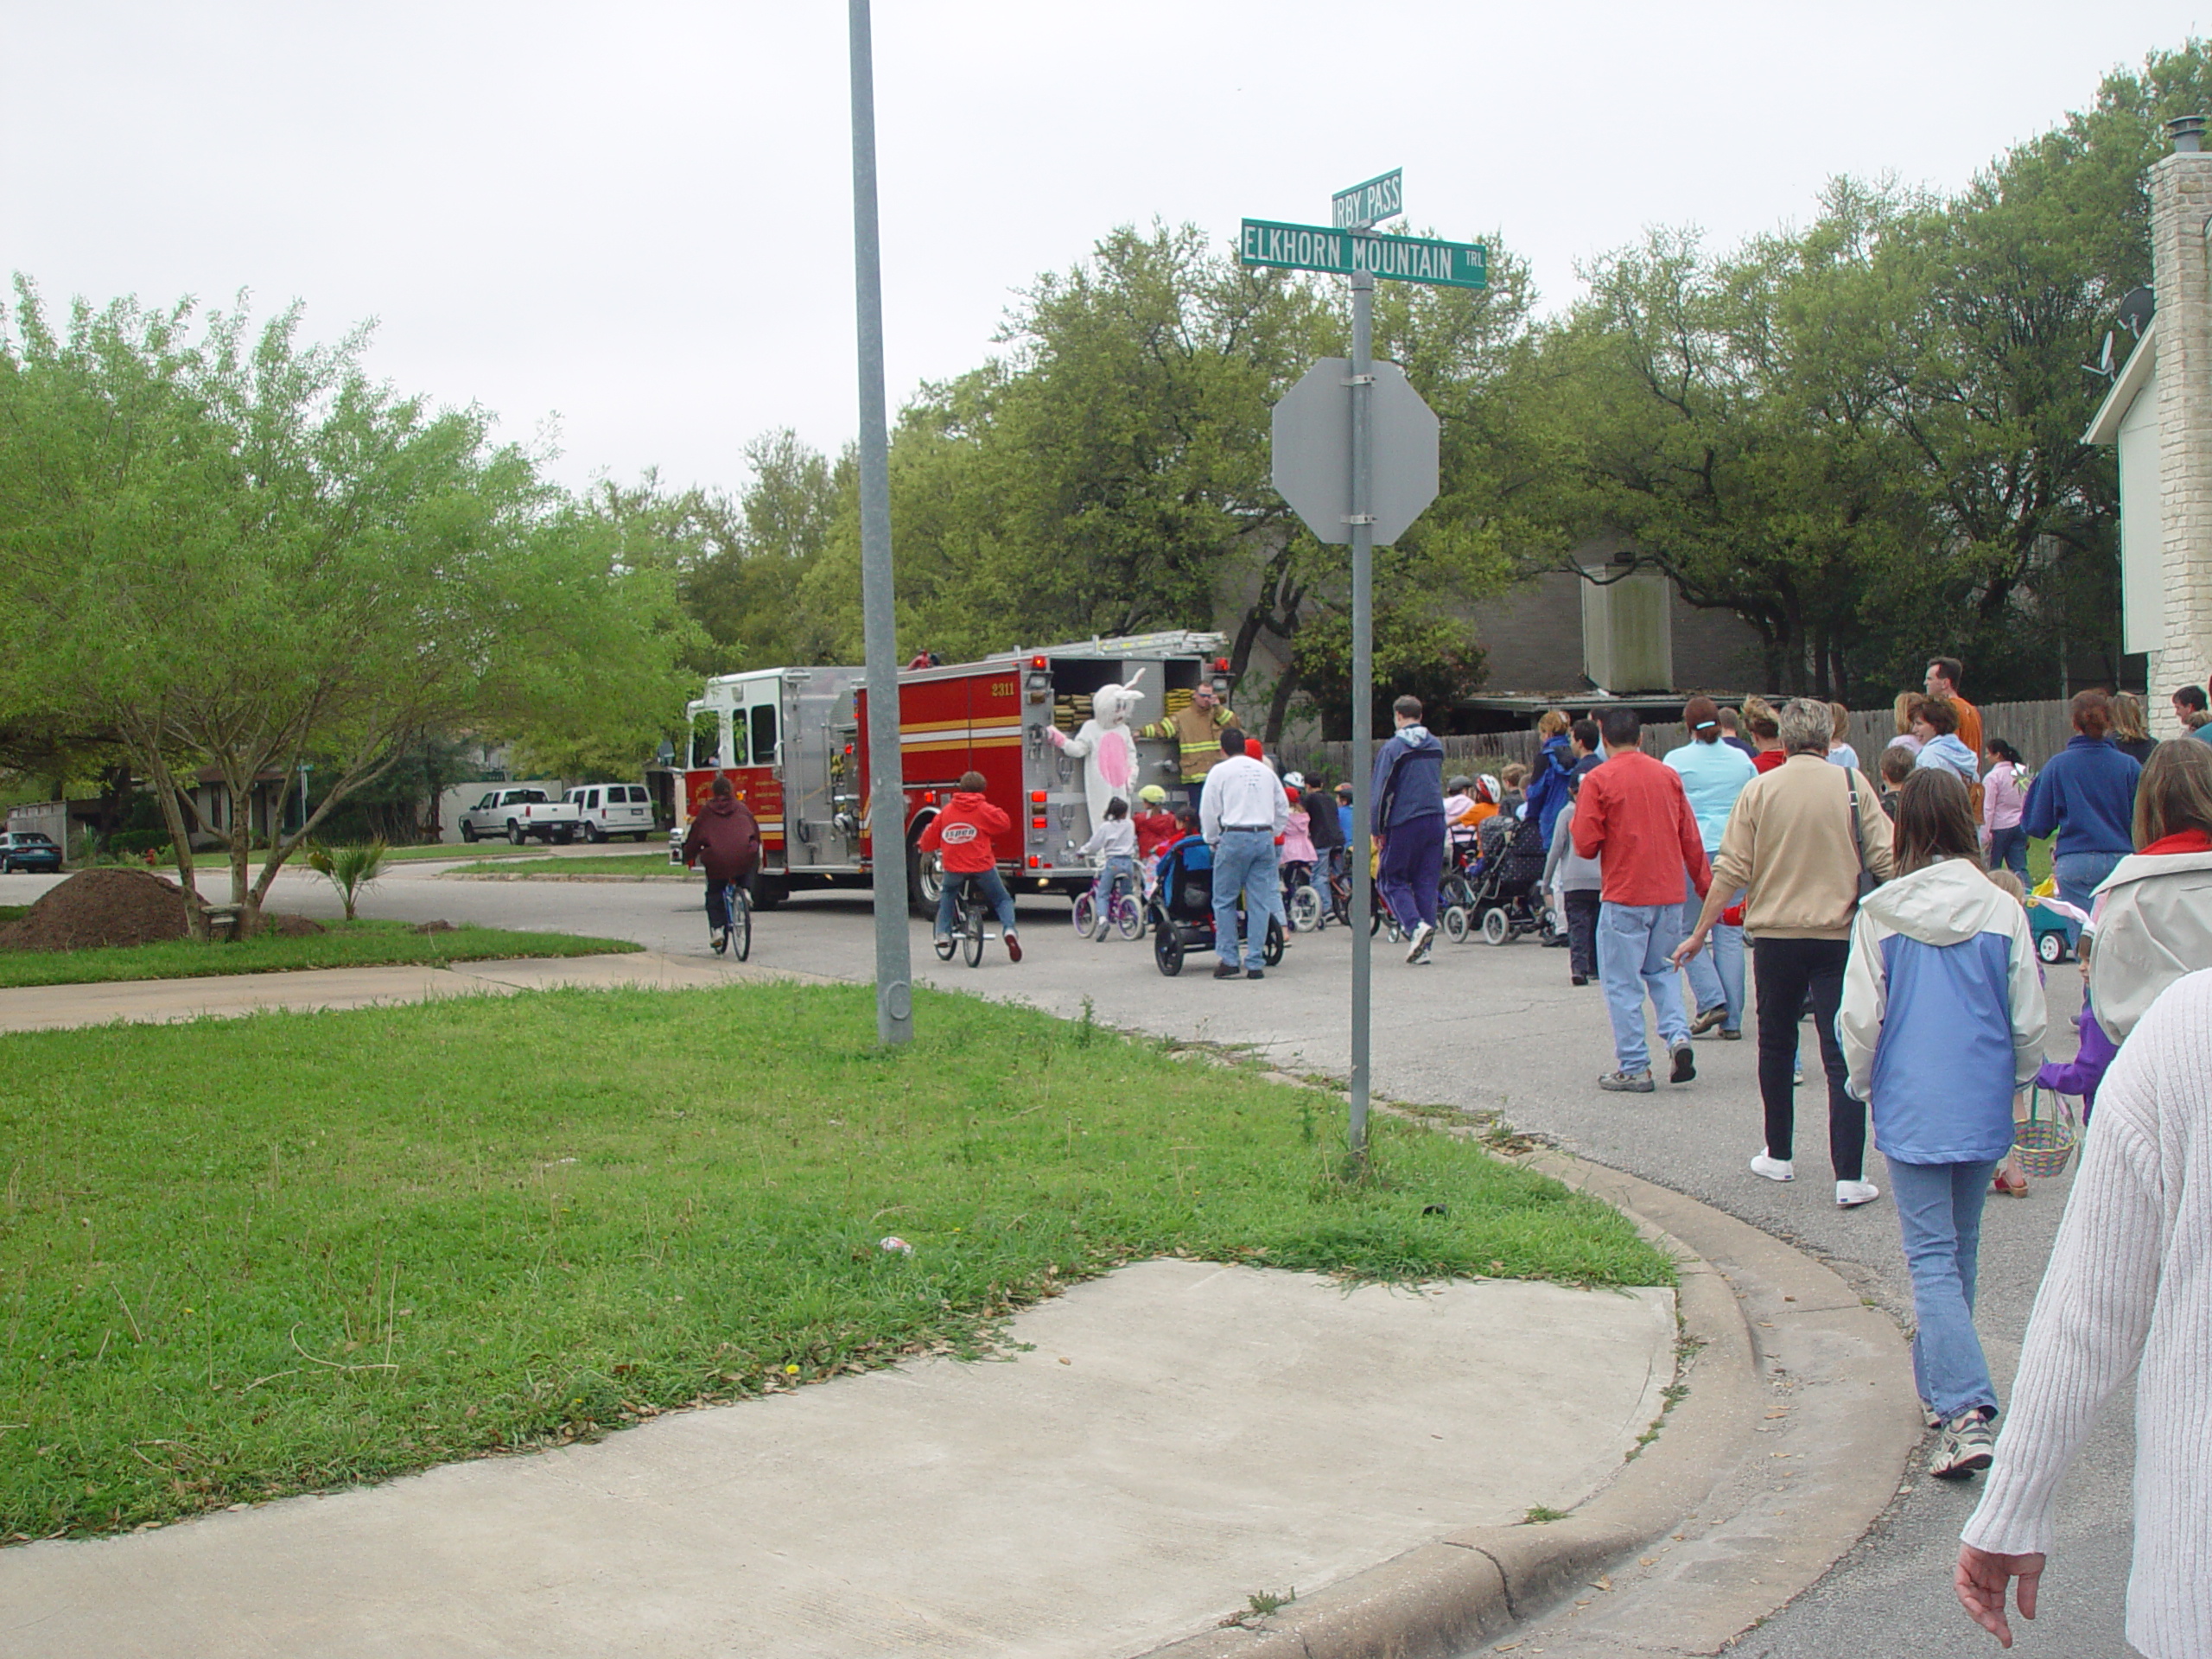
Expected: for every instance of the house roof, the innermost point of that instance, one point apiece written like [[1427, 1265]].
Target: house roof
[[2105, 428]]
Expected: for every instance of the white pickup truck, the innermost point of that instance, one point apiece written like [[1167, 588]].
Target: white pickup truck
[[520, 814]]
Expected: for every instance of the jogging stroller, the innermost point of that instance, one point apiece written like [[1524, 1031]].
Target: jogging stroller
[[1501, 884], [1181, 911]]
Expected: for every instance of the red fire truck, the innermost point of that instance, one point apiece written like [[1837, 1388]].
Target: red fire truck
[[793, 741]]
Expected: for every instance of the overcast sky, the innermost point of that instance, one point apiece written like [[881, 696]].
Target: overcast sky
[[631, 223]]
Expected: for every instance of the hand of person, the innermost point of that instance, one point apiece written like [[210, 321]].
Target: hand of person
[[1981, 1582], [1688, 947]]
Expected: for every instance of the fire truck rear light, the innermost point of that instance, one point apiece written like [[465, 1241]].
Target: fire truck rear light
[[1038, 823], [1035, 863], [930, 798], [1036, 662], [1221, 664], [1037, 798]]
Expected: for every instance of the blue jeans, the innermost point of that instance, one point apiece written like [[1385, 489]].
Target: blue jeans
[[1939, 1210], [1716, 973], [994, 891], [2079, 875], [2008, 850], [1118, 867], [1634, 942], [1244, 862]]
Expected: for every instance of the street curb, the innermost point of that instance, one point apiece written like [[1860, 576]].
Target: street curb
[[1476, 1583]]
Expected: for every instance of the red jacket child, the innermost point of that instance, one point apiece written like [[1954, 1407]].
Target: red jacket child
[[963, 833], [1154, 830]]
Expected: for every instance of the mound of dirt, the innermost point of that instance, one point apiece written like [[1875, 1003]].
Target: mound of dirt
[[98, 907], [440, 926], [287, 926]]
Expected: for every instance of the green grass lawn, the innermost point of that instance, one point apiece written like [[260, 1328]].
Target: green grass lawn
[[361, 944], [482, 849], [654, 862], [246, 1257]]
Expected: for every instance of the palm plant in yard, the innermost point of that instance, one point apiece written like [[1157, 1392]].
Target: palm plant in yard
[[350, 868]]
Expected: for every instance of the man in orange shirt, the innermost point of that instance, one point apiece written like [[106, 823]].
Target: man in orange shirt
[[1632, 813], [1944, 674]]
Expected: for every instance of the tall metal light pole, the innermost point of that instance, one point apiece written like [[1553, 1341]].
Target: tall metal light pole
[[894, 1002], [1363, 686]]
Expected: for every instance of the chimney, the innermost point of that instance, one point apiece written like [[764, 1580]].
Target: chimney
[[2188, 134]]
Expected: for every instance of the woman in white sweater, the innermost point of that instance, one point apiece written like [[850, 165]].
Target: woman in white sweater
[[2130, 1281]]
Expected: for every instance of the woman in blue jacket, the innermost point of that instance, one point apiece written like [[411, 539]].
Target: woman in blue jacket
[[2087, 794], [1548, 790], [1942, 1019]]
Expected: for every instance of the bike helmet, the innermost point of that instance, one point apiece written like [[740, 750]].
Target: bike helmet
[[1151, 794], [1294, 780]]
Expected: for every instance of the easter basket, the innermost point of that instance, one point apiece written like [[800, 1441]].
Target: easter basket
[[2044, 1140]]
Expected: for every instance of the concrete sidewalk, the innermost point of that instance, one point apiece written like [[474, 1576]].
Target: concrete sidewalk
[[1178, 1436], [161, 1001]]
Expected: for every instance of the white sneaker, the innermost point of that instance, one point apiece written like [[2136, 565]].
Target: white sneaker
[[1417, 947], [1775, 1169], [1849, 1195]]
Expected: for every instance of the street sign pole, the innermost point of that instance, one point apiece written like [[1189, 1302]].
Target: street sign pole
[[885, 782], [1362, 688]]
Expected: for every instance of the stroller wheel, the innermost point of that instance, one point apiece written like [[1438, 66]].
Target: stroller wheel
[[1271, 947], [1455, 924], [1167, 948], [1497, 926], [1305, 909]]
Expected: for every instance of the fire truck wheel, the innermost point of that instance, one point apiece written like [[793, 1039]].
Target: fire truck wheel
[[768, 893], [924, 878]]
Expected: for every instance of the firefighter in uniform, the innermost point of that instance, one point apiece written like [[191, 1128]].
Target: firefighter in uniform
[[1197, 730]]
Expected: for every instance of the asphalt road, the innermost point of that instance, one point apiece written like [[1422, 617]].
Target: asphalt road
[[1496, 1028]]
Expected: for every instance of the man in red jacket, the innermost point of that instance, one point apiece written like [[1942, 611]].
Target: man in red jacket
[[1632, 813], [960, 836], [727, 837]]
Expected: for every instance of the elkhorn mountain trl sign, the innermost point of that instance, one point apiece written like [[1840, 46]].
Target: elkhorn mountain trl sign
[[1406, 258]]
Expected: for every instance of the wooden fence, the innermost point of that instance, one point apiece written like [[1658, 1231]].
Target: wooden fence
[[2039, 730]]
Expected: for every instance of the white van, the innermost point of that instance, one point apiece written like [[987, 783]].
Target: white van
[[605, 810]]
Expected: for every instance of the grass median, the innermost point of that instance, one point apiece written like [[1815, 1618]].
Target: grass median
[[242, 1258], [644, 864], [360, 943]]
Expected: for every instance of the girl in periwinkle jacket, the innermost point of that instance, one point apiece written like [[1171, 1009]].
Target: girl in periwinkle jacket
[[1942, 1019]]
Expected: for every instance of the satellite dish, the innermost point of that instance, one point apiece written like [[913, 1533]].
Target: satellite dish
[[2102, 367], [2137, 306]]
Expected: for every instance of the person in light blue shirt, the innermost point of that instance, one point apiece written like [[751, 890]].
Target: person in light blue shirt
[[1935, 723], [1713, 773], [1840, 753]]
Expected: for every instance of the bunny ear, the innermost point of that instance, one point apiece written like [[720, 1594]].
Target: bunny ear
[[1130, 684]]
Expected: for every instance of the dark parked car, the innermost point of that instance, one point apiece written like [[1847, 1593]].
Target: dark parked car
[[27, 850]]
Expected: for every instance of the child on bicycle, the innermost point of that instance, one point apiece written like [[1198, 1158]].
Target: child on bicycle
[[726, 836], [1294, 851], [1114, 844], [960, 836]]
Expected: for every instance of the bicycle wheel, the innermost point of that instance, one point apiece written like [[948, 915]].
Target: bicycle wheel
[[1340, 901], [971, 940], [1305, 909], [1128, 916], [947, 944], [740, 925], [1084, 914]]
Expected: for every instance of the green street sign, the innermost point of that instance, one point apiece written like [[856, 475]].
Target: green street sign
[[1370, 204], [1405, 258]]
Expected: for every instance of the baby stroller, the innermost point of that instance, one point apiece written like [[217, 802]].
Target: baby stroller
[[1503, 903], [1181, 912]]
